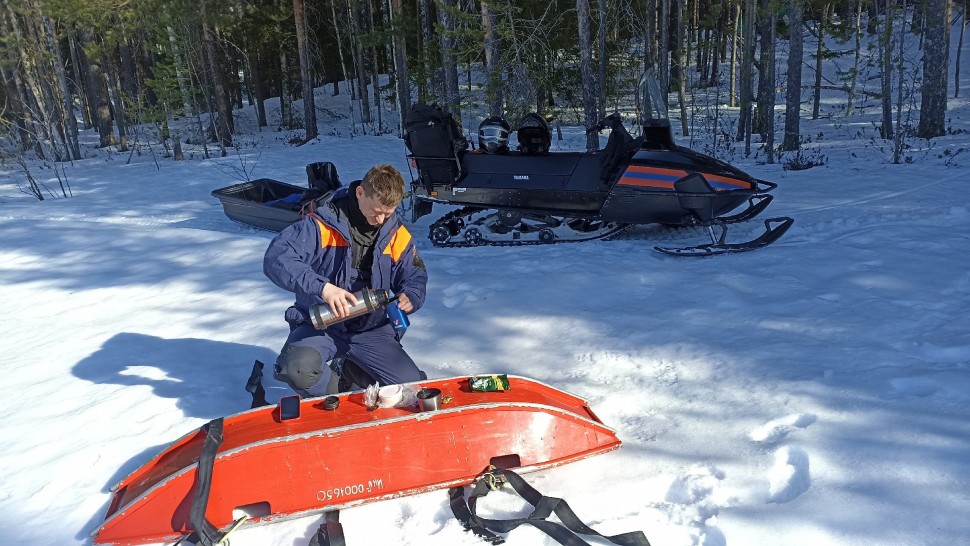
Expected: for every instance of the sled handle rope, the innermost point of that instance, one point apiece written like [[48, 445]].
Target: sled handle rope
[[564, 533]]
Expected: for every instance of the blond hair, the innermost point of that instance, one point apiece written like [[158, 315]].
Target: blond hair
[[385, 183]]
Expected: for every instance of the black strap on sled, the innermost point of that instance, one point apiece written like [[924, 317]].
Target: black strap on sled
[[331, 532], [254, 385], [205, 532], [564, 533]]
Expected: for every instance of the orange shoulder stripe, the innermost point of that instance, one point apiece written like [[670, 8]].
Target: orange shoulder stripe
[[399, 243], [328, 235]]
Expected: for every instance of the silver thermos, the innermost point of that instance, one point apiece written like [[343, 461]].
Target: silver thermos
[[368, 301]]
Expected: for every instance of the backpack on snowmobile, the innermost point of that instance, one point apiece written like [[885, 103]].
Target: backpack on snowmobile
[[432, 135]]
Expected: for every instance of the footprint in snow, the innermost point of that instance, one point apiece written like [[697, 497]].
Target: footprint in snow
[[461, 293], [695, 501], [777, 430], [914, 386], [789, 476]]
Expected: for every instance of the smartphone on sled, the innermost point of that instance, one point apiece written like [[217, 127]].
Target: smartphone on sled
[[290, 407]]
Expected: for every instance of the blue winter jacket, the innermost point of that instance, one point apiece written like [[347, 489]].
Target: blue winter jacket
[[316, 250]]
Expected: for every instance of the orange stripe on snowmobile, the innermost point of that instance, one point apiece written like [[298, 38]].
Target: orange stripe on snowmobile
[[677, 173], [399, 243], [329, 236], [651, 177], [658, 177], [716, 179]]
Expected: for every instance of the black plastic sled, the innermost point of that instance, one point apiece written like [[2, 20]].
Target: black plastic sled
[[273, 205], [532, 196]]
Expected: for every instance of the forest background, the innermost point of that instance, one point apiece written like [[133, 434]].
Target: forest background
[[173, 71]]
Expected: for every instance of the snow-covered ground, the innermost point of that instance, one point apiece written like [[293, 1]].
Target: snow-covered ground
[[813, 392]]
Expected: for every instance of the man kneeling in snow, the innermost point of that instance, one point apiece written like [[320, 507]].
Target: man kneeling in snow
[[354, 240]]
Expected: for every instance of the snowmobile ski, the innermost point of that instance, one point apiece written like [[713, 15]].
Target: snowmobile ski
[[774, 228]]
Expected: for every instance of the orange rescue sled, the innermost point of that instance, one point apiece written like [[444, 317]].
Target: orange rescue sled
[[272, 469]]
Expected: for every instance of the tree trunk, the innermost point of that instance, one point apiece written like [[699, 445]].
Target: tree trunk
[[733, 85], [67, 100], [793, 91], [586, 74], [746, 77], [956, 74], [430, 85], [447, 21], [180, 72], [76, 62], [856, 59], [766, 84], [493, 89], [681, 60], [259, 86], [885, 43], [222, 122], [819, 56], [117, 100], [601, 41], [932, 112], [12, 88], [650, 35], [97, 91], [306, 78], [286, 91], [360, 72], [663, 50], [401, 77], [340, 51], [898, 140], [128, 75], [374, 67]]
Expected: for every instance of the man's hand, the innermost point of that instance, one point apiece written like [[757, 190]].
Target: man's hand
[[403, 303], [338, 299]]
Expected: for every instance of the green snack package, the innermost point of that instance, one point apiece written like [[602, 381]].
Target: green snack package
[[489, 383]]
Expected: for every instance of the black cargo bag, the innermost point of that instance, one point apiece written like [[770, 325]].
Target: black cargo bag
[[430, 131], [436, 143]]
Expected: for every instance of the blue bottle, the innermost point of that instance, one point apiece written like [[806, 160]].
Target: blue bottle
[[399, 320]]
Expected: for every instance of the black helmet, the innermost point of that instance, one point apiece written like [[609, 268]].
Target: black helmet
[[493, 135], [534, 135]]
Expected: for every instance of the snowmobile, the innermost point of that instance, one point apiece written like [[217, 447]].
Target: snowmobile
[[533, 196]]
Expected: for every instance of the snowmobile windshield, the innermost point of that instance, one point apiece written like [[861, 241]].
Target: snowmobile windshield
[[654, 103]]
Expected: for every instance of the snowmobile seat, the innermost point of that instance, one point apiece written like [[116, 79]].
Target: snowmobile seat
[[696, 194], [322, 176], [322, 179]]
